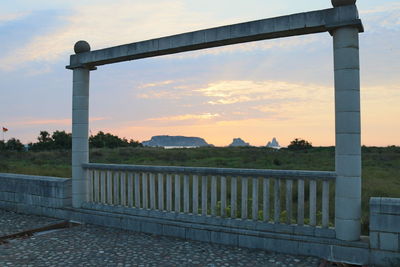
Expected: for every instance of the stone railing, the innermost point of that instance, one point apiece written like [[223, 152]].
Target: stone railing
[[228, 193]]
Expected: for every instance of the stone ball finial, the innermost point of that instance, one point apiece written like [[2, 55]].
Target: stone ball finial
[[337, 3], [81, 47]]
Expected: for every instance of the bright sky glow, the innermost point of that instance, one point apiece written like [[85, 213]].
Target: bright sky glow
[[279, 88]]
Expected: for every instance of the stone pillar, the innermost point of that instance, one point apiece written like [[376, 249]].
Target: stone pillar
[[348, 143], [80, 128]]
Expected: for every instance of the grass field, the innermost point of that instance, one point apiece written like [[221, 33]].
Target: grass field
[[380, 166]]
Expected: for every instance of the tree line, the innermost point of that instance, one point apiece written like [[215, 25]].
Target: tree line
[[61, 140]]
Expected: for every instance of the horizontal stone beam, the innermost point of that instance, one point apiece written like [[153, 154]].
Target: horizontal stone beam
[[285, 26], [284, 174]]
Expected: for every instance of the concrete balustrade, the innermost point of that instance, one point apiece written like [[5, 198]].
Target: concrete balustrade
[[209, 186]]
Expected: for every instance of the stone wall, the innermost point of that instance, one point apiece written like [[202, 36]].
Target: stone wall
[[36, 191], [385, 231]]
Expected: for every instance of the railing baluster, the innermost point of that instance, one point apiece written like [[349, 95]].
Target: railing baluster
[[144, 191], [223, 196], [233, 196], [169, 192], [143, 187], [109, 187], [123, 188], [186, 193], [152, 191], [266, 199], [313, 202], [177, 193], [255, 198], [213, 195], [204, 195], [195, 194], [160, 191], [325, 204], [116, 188], [130, 189], [89, 177], [289, 214], [96, 186], [245, 191], [277, 200], [103, 187], [300, 202], [137, 190]]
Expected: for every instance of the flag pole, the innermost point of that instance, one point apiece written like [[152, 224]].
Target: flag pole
[[4, 129]]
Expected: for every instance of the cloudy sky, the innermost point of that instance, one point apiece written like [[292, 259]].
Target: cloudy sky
[[277, 88]]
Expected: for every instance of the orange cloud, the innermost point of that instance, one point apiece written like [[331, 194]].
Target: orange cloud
[[156, 84], [203, 116], [238, 91]]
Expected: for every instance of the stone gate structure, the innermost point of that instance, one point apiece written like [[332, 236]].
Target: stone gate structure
[[342, 22], [242, 207]]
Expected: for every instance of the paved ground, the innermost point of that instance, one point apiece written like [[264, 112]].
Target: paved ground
[[88, 245], [11, 223]]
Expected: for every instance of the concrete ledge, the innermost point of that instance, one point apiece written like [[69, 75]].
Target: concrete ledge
[[384, 258], [269, 173], [384, 205], [385, 231], [35, 185], [217, 221], [35, 200], [35, 190]]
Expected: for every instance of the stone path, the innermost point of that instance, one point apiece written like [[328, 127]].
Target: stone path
[[11, 222], [89, 245]]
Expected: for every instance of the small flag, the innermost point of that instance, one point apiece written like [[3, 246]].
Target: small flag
[[5, 129]]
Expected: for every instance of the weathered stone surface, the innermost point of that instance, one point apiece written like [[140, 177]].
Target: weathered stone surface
[[35, 190], [81, 47], [385, 231], [389, 241], [284, 26], [89, 245], [11, 222]]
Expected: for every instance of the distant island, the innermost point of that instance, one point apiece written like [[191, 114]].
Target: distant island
[[238, 142], [175, 141], [168, 141], [274, 144]]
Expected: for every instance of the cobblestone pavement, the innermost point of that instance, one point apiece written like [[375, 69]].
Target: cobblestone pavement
[[89, 245], [11, 222]]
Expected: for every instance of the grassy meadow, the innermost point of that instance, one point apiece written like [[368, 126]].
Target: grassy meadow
[[380, 165]]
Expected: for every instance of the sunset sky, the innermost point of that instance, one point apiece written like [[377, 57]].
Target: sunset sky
[[279, 88]]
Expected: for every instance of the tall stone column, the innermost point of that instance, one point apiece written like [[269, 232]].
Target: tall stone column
[[80, 128], [347, 122]]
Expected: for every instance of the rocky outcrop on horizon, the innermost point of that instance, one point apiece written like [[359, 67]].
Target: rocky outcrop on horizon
[[273, 144], [166, 141], [238, 142]]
